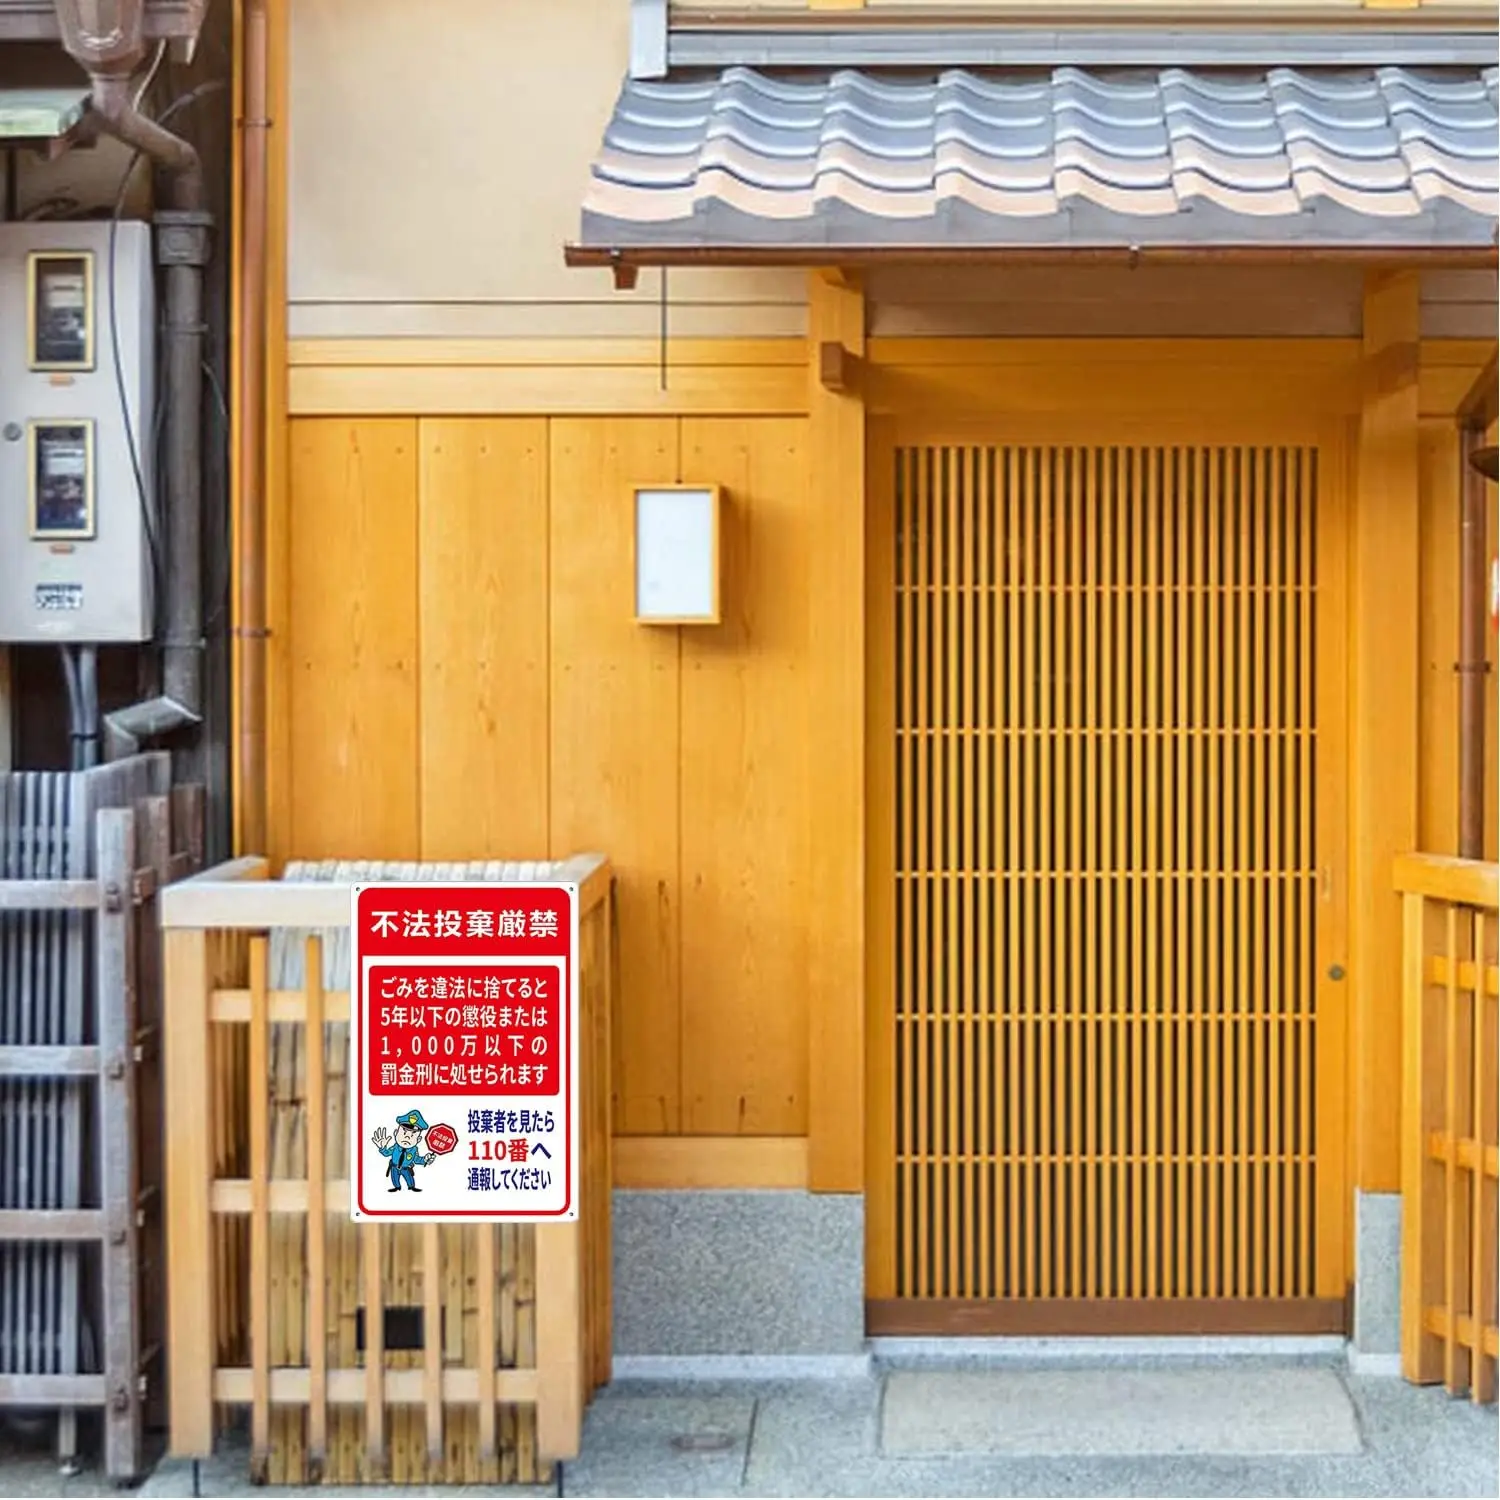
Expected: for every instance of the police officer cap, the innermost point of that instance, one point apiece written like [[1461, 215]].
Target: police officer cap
[[412, 1117]]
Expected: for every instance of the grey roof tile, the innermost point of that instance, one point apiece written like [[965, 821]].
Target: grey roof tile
[[1067, 155]]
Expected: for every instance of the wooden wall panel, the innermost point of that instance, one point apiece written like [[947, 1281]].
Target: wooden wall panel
[[616, 740], [483, 575], [748, 912], [352, 653]]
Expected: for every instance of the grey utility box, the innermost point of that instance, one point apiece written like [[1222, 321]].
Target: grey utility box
[[75, 553]]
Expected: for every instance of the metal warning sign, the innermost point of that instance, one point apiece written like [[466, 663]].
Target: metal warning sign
[[464, 1059]]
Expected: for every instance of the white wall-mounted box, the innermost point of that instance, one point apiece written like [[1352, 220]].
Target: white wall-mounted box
[[676, 554], [75, 560]]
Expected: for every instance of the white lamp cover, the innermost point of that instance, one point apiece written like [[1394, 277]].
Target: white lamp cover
[[677, 554]]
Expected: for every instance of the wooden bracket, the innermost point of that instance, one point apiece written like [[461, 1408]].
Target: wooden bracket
[[1392, 368], [838, 369], [845, 278], [626, 276]]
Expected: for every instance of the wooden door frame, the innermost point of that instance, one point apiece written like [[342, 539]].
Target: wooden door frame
[[1330, 434]]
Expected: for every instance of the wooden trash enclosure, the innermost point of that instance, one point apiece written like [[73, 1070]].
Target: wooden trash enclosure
[[83, 856], [490, 1338], [1450, 1142]]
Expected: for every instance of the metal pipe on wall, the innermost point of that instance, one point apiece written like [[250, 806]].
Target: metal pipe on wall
[[250, 421], [109, 45]]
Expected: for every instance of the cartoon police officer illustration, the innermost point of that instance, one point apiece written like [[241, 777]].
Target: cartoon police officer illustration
[[403, 1151]]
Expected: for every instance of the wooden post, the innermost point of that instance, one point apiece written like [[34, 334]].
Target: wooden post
[[115, 992], [836, 770], [1421, 1224], [559, 1307], [189, 1175], [317, 1213], [154, 830], [1386, 719]]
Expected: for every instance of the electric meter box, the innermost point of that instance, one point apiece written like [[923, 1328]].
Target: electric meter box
[[75, 553]]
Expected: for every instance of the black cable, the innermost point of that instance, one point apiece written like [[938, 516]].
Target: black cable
[[148, 516]]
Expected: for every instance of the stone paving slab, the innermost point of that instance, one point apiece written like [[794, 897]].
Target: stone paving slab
[[822, 1438], [1084, 1413]]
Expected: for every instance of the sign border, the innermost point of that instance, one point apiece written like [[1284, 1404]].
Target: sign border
[[569, 1212]]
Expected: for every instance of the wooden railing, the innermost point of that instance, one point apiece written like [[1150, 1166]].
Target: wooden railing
[[410, 1353], [1450, 1147]]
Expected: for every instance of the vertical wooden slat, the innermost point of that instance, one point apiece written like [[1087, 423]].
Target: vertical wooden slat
[[1309, 857], [1486, 1138], [260, 1213], [1179, 717], [1027, 863], [987, 1205], [1015, 575], [1042, 884], [920, 1009], [1153, 988], [432, 1352], [1136, 978], [1077, 863], [192, 1303], [1091, 870], [1276, 875], [370, 1236], [488, 1351], [1215, 906], [954, 1006], [1479, 1255], [317, 1212], [1111, 655], [1454, 1370]]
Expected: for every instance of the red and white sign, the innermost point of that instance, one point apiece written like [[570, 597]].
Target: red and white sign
[[463, 1070]]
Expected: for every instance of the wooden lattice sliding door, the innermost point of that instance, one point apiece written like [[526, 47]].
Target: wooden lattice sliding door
[[1106, 835]]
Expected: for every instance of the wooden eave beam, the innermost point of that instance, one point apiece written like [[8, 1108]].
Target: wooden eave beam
[[853, 258]]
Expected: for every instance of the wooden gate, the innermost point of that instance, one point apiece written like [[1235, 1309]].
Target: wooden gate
[[1107, 763]]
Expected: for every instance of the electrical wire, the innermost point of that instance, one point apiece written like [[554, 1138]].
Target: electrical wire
[[148, 513], [151, 72]]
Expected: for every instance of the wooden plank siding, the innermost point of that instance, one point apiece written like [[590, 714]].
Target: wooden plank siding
[[465, 681]]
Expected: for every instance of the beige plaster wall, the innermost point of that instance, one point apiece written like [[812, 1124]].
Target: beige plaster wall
[[436, 171]]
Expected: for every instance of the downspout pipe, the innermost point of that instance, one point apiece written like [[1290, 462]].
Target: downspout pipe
[[250, 626], [105, 37], [1476, 413]]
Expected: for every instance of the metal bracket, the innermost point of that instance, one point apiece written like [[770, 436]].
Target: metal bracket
[[182, 237]]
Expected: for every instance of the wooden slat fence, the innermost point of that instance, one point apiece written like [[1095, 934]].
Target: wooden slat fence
[[489, 1339], [83, 856], [1450, 1145]]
